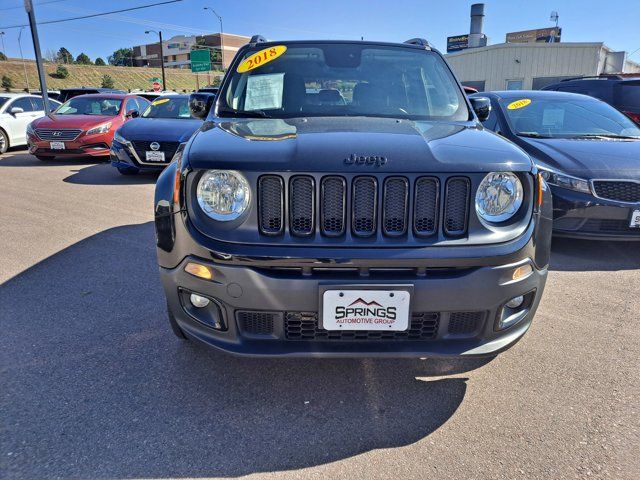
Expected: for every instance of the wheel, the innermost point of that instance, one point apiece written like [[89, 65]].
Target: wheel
[[43, 158], [128, 171], [174, 325], [4, 142]]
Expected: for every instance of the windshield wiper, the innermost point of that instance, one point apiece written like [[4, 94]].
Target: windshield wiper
[[242, 113], [606, 135], [532, 135]]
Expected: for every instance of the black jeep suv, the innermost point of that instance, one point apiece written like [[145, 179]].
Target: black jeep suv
[[343, 199]]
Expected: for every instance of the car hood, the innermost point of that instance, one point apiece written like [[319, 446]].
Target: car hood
[[159, 129], [83, 122], [323, 144], [592, 158]]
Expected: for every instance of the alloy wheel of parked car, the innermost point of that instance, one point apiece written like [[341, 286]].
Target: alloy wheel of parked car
[[4, 142]]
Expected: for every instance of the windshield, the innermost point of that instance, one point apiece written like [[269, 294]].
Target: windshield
[[342, 80], [168, 108], [90, 106], [566, 118], [3, 100]]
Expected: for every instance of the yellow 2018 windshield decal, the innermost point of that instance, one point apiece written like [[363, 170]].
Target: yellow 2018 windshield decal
[[519, 104], [260, 58]]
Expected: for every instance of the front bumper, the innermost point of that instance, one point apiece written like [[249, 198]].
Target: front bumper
[[581, 215], [122, 156], [84, 146], [473, 296]]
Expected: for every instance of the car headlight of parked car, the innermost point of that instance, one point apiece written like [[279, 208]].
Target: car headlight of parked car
[[499, 196], [565, 181], [30, 130], [104, 128], [119, 138], [223, 194]]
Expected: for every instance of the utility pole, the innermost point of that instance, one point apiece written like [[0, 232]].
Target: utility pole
[[2, 36], [164, 83], [28, 6], [24, 66]]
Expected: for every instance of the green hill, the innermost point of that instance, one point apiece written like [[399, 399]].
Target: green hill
[[125, 78]]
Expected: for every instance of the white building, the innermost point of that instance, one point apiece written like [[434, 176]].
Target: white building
[[525, 66]]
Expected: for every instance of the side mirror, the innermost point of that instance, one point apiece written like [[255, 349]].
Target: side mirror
[[132, 114], [200, 103], [15, 110], [482, 107]]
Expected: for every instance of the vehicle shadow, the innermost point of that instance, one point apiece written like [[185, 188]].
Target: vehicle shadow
[[25, 159], [574, 255], [108, 175], [96, 386]]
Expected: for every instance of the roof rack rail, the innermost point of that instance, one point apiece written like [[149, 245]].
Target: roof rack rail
[[421, 42], [594, 77], [257, 39]]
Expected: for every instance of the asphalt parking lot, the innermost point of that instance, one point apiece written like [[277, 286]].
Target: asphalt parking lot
[[95, 385]]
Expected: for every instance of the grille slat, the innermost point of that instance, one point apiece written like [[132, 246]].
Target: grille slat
[[302, 206], [271, 204], [618, 190], [394, 213], [365, 199], [456, 206], [333, 203], [304, 326], [58, 134], [425, 209]]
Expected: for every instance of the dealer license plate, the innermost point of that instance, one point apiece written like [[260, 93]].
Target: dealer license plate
[[365, 310], [155, 157], [56, 145], [635, 219]]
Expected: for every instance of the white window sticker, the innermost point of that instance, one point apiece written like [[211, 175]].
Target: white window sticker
[[264, 92], [553, 117]]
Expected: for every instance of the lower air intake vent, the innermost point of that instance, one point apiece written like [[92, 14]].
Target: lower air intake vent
[[257, 323], [271, 200], [465, 323]]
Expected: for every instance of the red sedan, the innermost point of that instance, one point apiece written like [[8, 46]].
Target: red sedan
[[83, 126]]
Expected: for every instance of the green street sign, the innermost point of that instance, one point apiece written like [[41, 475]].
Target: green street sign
[[200, 61]]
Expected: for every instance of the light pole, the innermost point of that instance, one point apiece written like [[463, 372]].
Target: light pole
[[24, 66], [164, 83], [221, 34]]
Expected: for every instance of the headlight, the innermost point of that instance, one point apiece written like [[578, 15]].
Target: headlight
[[499, 196], [223, 194], [30, 130], [104, 128], [119, 138], [565, 181]]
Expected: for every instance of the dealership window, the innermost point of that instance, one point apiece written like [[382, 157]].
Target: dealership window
[[514, 84], [477, 84]]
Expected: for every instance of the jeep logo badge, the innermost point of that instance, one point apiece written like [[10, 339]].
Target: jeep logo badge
[[155, 146], [369, 160]]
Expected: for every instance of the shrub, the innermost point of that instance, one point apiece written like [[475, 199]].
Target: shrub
[[107, 81], [7, 82], [62, 72], [2, 56], [99, 62]]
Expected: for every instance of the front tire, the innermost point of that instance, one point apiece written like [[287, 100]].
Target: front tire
[[128, 171], [4, 142]]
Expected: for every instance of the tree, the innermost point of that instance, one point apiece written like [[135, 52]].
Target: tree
[[107, 82], [123, 57], [83, 59], [7, 82], [99, 62], [64, 56], [214, 55], [3, 57], [61, 72]]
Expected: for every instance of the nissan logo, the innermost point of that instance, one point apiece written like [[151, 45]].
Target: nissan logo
[[57, 134], [154, 146]]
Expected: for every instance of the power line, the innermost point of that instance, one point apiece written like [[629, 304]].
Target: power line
[[96, 14]]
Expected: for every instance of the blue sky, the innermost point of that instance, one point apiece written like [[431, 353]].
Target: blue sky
[[615, 22]]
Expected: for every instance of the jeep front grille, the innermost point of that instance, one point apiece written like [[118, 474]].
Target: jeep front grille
[[363, 206]]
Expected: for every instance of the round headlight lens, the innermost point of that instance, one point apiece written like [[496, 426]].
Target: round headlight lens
[[223, 194], [499, 196]]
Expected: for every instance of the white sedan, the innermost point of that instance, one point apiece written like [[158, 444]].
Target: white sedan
[[17, 110]]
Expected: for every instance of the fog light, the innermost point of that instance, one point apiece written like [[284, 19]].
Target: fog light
[[514, 302], [200, 271], [522, 271], [198, 300]]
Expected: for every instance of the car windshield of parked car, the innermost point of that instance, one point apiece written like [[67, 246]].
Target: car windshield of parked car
[[90, 106], [566, 118], [316, 79], [168, 108]]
